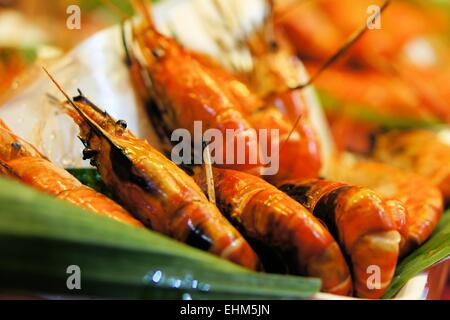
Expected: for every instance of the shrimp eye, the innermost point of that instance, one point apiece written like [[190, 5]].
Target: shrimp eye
[[158, 53], [89, 153], [16, 145], [273, 45], [122, 124]]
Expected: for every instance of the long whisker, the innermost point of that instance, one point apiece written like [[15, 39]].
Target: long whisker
[[53, 100], [60, 88], [350, 42], [128, 59], [353, 39], [98, 130], [292, 6], [94, 126]]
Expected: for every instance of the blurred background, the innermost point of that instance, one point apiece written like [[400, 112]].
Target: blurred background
[[33, 29], [398, 77]]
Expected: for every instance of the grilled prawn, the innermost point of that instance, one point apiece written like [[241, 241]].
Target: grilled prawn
[[163, 197], [185, 89], [275, 71], [367, 227], [269, 216], [420, 151], [188, 87], [422, 200], [299, 154], [21, 161]]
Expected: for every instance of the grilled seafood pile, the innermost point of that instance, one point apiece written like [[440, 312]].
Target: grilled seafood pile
[[20, 160], [393, 77], [342, 225]]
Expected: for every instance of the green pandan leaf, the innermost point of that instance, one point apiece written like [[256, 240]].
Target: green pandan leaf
[[432, 252], [91, 178], [40, 237], [435, 250]]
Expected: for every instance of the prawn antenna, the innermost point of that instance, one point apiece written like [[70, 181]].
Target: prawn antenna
[[294, 127], [61, 90], [350, 42], [290, 6], [93, 125], [128, 59], [53, 100]]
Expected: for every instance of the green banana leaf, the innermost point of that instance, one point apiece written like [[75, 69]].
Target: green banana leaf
[[435, 250], [40, 237]]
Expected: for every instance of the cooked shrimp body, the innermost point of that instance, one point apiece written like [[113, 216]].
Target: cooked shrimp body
[[162, 195], [268, 215], [21, 161], [421, 199]]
